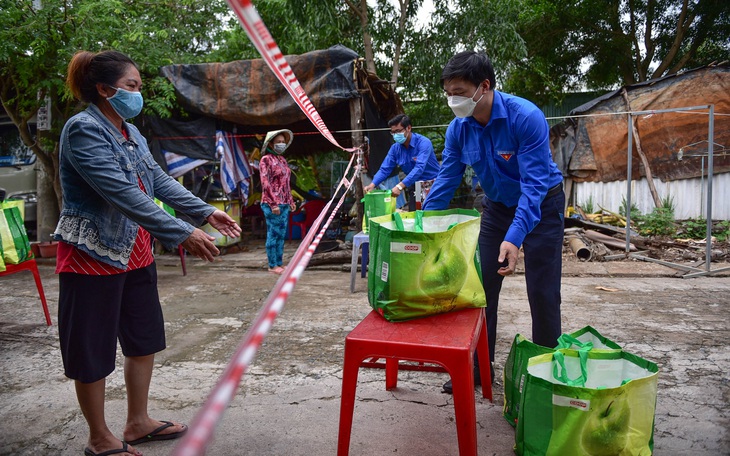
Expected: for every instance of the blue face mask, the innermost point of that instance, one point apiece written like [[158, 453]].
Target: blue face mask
[[127, 104], [400, 138]]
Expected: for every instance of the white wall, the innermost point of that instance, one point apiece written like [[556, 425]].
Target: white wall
[[690, 196]]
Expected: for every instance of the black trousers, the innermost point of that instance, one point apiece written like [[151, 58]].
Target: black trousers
[[543, 261]]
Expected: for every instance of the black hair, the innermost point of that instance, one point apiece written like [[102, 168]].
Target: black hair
[[471, 66], [86, 69], [400, 119]]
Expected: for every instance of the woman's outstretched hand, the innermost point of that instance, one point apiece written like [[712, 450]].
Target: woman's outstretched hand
[[224, 223], [200, 244]]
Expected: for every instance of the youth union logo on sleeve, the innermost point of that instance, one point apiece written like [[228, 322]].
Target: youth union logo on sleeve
[[506, 154]]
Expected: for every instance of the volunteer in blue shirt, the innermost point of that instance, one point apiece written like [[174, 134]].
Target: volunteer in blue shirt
[[504, 138], [412, 152]]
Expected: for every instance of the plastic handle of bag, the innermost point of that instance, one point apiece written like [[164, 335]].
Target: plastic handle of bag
[[398, 222], [559, 359], [567, 341], [419, 221]]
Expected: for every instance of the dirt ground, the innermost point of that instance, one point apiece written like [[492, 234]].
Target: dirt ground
[[288, 403]]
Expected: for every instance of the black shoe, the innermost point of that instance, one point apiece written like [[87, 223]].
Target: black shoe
[[448, 389]]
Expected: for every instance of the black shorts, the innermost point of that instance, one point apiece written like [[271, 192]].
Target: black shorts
[[93, 311]]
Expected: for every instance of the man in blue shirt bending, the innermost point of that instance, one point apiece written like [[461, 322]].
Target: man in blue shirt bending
[[412, 152], [505, 140]]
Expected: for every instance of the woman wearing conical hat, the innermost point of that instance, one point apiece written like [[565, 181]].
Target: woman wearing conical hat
[[276, 197]]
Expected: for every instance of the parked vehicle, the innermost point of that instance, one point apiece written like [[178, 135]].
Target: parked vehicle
[[18, 174]]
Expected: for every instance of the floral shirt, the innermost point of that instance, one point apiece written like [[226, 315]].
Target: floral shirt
[[275, 175]]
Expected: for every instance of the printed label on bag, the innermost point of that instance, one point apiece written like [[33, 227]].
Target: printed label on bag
[[405, 247], [522, 383], [384, 272], [563, 401]]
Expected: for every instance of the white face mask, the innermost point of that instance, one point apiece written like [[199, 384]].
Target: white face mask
[[279, 148], [464, 106]]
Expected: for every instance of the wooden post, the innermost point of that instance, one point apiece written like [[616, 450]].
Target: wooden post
[[356, 125], [644, 160]]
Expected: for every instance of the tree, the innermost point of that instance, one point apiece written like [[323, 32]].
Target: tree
[[454, 26], [601, 44], [37, 40], [412, 56], [316, 25]]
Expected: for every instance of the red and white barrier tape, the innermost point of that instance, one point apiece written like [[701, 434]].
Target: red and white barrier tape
[[203, 425], [269, 50]]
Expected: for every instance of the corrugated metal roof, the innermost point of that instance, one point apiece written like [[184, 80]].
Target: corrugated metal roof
[[556, 113], [593, 147]]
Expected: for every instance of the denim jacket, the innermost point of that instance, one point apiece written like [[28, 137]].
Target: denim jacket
[[103, 205]]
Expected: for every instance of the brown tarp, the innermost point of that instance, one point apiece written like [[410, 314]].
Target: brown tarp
[[247, 92], [595, 148], [245, 95]]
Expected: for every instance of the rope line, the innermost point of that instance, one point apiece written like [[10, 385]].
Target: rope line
[[421, 127]]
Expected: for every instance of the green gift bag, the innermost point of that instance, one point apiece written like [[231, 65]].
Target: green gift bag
[[522, 350], [16, 246], [377, 203], [20, 204], [587, 402], [424, 263], [2, 257]]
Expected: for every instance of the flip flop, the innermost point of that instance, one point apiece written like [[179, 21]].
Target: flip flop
[[123, 449], [155, 435]]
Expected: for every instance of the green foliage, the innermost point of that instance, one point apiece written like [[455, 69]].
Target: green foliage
[[635, 213], [694, 228], [298, 26], [588, 206], [659, 223], [697, 229], [456, 26], [305, 178], [598, 44], [39, 43], [668, 203], [539, 47], [453, 26], [328, 171], [36, 45], [721, 231]]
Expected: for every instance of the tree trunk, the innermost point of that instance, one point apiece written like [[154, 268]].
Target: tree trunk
[[362, 13], [48, 188], [356, 124], [399, 41], [48, 209]]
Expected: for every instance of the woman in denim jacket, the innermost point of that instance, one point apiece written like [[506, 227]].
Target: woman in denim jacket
[[107, 275]]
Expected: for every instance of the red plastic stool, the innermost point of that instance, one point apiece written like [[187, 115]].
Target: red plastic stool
[[446, 339], [30, 265]]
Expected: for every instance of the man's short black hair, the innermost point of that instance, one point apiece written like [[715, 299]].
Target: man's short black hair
[[470, 66], [400, 119]]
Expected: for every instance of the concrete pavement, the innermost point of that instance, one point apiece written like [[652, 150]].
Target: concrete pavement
[[288, 403]]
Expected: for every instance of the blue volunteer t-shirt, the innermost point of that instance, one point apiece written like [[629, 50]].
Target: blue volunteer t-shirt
[[417, 160], [510, 156]]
